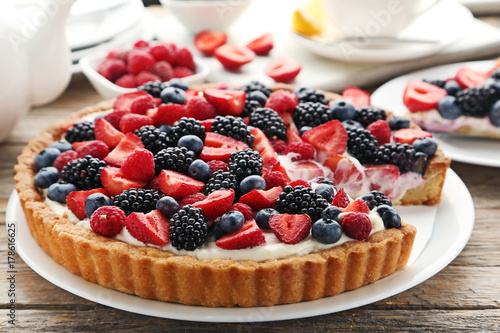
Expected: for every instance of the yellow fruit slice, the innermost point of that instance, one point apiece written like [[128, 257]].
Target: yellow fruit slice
[[309, 19]]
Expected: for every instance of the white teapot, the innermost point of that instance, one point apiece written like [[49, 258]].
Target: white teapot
[[35, 62]]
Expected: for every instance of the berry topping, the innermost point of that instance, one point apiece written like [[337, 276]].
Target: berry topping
[[469, 77], [243, 209], [234, 128], [311, 114], [76, 201], [94, 148], [199, 170], [251, 183], [62, 146], [357, 206], [192, 198], [82, 131], [368, 114], [46, 177], [448, 108], [174, 158], [327, 191], [303, 151], [330, 138], [263, 146], [409, 135], [358, 97], [301, 200], [96, 200], [168, 206], [221, 180], [257, 86], [326, 231], [245, 163], [283, 69], [199, 108], [356, 225], [139, 165], [248, 236], [107, 133], [342, 110], [216, 203], [402, 155], [305, 95], [331, 213], [390, 216], [107, 221], [399, 122], [115, 182], [290, 228], [215, 165], [269, 122], [188, 228], [150, 228], [422, 96], [282, 101], [177, 185], [137, 200], [132, 122], [127, 146], [46, 158], [260, 199], [273, 179], [362, 145], [154, 88], [153, 138], [341, 199], [59, 191], [381, 131], [84, 173], [476, 102], [232, 221], [375, 199]]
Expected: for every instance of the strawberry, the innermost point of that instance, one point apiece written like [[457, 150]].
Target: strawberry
[[115, 182], [382, 177], [408, 135], [114, 118], [64, 158], [182, 72], [290, 228], [107, 221], [264, 147], [106, 133], [112, 69], [249, 235], [226, 102], [273, 179], [341, 199], [154, 184], [177, 185], [292, 134], [299, 182], [162, 52], [304, 151], [422, 96], [357, 206], [150, 228], [95, 148], [246, 210], [138, 61], [183, 58], [283, 69], [345, 172], [192, 93], [279, 146], [164, 70], [167, 114], [199, 108], [219, 154], [381, 131], [139, 165], [207, 41], [146, 76], [279, 167], [127, 81], [192, 198], [262, 45], [233, 56], [216, 203], [76, 201], [207, 123], [142, 104], [217, 140], [282, 101], [469, 77], [124, 101], [215, 165], [260, 199], [132, 121], [329, 138], [127, 145], [356, 225], [356, 96]]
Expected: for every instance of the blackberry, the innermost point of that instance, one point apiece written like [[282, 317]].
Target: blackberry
[[244, 163], [439, 83], [174, 158], [403, 156], [186, 126], [269, 122], [257, 86], [153, 138], [362, 144], [82, 131], [188, 228], [311, 114], [250, 106], [375, 199], [153, 88], [476, 102], [234, 128], [221, 180], [369, 114], [310, 95], [301, 200], [137, 200], [496, 75], [84, 173]]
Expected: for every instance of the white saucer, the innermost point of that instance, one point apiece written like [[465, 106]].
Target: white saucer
[[445, 23]]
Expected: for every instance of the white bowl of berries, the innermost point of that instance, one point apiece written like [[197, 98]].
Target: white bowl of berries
[[120, 71]]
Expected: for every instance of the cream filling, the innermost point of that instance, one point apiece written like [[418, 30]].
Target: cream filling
[[432, 121]]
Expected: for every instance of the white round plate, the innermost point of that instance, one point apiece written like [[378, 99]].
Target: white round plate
[[454, 219], [473, 150], [445, 23]]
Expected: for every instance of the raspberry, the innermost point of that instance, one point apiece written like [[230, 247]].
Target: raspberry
[[131, 122], [114, 117], [246, 210], [381, 131], [139, 61], [299, 182], [279, 146], [161, 52], [141, 44], [142, 104], [107, 221], [139, 165], [145, 76], [164, 70], [127, 81], [305, 151], [65, 158], [199, 108], [112, 69], [183, 58], [94, 148], [356, 225], [192, 198], [180, 72], [273, 179], [282, 101], [216, 165]]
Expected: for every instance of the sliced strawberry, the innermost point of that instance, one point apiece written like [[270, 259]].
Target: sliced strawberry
[[345, 172], [469, 77], [127, 145], [94, 148], [192, 198], [408, 135], [329, 138], [305, 170], [381, 131], [283, 69], [292, 134], [282, 101], [124, 101], [357, 206], [264, 147], [198, 108], [260, 199], [262, 45], [207, 123], [76, 201], [219, 154], [105, 132], [226, 102], [215, 165], [249, 235], [107, 221], [150, 228], [207, 41], [422, 96], [356, 225], [217, 203], [114, 117], [177, 185], [233, 56], [115, 182], [217, 140], [246, 210], [167, 114], [358, 97], [280, 168], [142, 104], [290, 228], [382, 178], [341, 199], [132, 121], [139, 165]]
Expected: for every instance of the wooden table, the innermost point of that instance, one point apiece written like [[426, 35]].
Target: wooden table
[[465, 296]]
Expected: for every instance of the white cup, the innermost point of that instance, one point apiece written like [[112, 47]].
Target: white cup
[[375, 18]]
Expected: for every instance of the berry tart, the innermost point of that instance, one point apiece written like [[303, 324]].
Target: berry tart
[[467, 104], [221, 196]]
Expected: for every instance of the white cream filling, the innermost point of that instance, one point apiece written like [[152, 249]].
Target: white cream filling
[[432, 121]]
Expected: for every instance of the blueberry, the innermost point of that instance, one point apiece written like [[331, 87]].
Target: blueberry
[[452, 87], [263, 216], [46, 177], [351, 124], [399, 122], [494, 114], [178, 83], [94, 201], [165, 128], [217, 231], [326, 191], [168, 206], [59, 191], [173, 95], [331, 213], [199, 170], [250, 183], [425, 145], [304, 129], [342, 110], [326, 231], [46, 157], [191, 142], [390, 216], [257, 96], [448, 109], [494, 84], [62, 146], [232, 221]]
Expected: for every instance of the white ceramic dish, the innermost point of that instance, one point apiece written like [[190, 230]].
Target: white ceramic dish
[[474, 150], [108, 89], [446, 235]]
